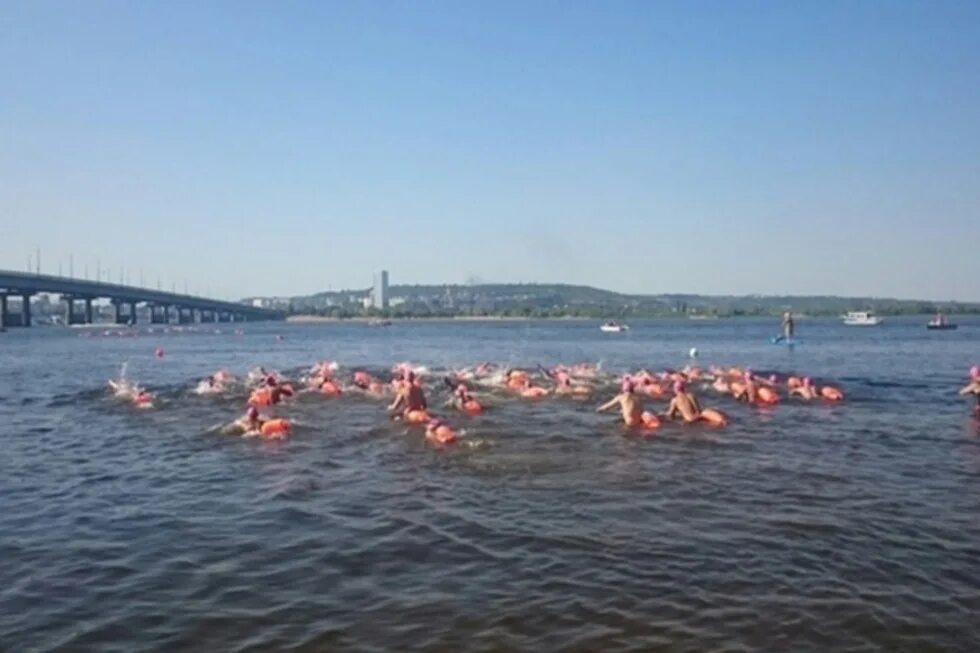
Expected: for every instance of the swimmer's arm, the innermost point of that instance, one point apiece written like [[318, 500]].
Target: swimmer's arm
[[970, 389], [672, 409], [397, 403], [606, 406]]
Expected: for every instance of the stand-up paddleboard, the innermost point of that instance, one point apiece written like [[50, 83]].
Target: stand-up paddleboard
[[786, 342]]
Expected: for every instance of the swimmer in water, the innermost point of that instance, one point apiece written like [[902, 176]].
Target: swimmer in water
[[410, 396], [973, 388], [806, 390], [440, 433], [747, 391], [631, 407], [250, 422], [684, 404], [462, 400]]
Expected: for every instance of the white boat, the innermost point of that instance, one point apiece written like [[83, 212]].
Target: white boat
[[862, 318], [614, 327]]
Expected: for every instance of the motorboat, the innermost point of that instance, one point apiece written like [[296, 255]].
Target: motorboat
[[862, 318], [614, 327], [940, 323]]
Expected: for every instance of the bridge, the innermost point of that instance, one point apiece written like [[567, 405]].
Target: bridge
[[78, 295]]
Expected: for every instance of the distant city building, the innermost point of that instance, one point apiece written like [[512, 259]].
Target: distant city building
[[396, 301], [381, 290]]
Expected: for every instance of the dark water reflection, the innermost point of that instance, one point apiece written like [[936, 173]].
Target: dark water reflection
[[810, 528]]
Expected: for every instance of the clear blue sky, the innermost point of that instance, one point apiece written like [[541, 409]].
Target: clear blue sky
[[288, 147]]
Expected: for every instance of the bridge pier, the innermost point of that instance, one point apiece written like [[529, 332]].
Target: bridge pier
[[208, 316], [74, 317], [185, 315], [22, 319], [159, 314], [125, 318], [224, 316]]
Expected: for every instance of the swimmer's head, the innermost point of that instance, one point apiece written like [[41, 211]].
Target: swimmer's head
[[807, 382], [435, 423], [627, 386], [772, 378], [747, 375], [270, 381], [410, 376], [975, 373], [462, 390], [679, 387], [252, 412]]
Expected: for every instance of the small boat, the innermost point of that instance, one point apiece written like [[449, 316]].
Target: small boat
[[379, 323], [940, 323], [614, 327], [862, 318]]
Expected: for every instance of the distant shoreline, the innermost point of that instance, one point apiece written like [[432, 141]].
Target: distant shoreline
[[324, 319]]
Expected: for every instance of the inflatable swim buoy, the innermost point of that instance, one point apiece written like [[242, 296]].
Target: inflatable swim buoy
[[767, 396], [275, 429], [831, 394], [417, 416], [533, 392], [714, 417], [261, 397], [441, 435], [649, 421]]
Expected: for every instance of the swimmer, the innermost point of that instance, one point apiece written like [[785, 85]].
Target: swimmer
[[438, 432], [684, 405], [464, 402], [563, 382], [209, 386], [805, 390], [973, 388], [746, 391], [631, 408], [248, 424], [410, 396], [143, 399]]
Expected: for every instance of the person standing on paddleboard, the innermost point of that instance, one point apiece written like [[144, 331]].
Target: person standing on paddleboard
[[788, 327]]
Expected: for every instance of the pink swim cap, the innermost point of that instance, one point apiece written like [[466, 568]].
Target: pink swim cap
[[806, 382], [435, 423], [461, 389], [627, 386], [975, 372], [747, 375]]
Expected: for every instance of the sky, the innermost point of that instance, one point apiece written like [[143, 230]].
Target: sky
[[284, 148]]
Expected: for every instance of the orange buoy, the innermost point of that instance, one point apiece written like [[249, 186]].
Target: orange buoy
[[417, 416], [533, 392], [261, 397], [714, 417], [831, 394], [767, 396], [275, 428], [649, 421]]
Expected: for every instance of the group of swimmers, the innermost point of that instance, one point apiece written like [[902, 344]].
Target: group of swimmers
[[409, 403]]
